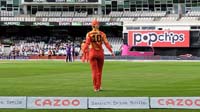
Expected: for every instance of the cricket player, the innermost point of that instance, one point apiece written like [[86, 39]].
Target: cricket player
[[68, 53], [94, 41], [72, 52], [85, 54]]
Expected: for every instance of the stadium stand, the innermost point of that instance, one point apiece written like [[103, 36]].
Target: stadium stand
[[116, 43], [124, 19], [104, 19], [1, 51], [13, 19], [143, 14], [168, 19], [7, 13], [80, 14], [147, 19], [193, 13], [42, 19], [42, 14], [135, 12], [186, 19], [68, 14], [195, 38], [60, 14], [39, 46], [82, 19], [115, 14], [30, 19], [55, 14], [60, 19], [45, 16], [153, 14], [131, 14]]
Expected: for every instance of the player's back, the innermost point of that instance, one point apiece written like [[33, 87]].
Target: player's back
[[96, 38]]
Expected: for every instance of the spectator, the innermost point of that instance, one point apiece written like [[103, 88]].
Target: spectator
[[49, 54]]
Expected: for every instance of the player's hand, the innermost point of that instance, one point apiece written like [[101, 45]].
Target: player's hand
[[113, 55]]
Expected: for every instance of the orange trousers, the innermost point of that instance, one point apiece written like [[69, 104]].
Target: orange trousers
[[96, 63]]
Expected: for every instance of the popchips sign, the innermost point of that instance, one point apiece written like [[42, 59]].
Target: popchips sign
[[159, 38]]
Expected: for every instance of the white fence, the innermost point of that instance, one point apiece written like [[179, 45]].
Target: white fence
[[22, 102]]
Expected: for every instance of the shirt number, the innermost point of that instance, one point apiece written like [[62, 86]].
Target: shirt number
[[96, 38]]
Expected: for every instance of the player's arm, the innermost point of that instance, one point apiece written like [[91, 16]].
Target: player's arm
[[105, 40], [87, 43], [81, 48]]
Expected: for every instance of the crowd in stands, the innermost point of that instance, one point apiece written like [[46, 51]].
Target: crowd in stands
[[44, 46], [1, 50], [31, 46]]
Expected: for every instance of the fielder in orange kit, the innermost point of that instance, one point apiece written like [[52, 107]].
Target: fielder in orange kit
[[94, 41], [85, 54]]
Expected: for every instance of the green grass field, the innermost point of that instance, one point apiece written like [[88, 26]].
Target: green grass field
[[57, 78]]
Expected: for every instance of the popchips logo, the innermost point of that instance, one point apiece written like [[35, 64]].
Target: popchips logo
[[153, 37], [159, 38]]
